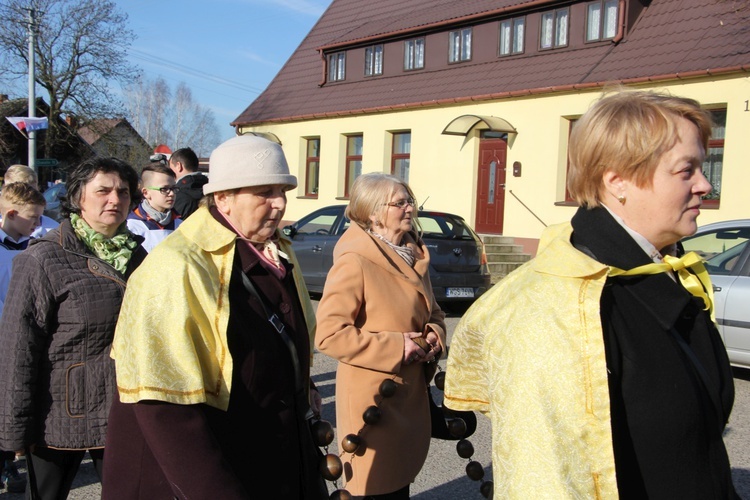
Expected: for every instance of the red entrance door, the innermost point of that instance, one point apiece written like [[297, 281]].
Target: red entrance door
[[491, 185]]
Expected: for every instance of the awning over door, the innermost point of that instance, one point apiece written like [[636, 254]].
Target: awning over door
[[465, 123]]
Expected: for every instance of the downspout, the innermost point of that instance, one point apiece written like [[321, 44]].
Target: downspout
[[621, 24], [325, 68]]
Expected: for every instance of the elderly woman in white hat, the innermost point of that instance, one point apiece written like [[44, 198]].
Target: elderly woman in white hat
[[212, 397]]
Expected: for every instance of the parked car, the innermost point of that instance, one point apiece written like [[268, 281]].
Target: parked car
[[458, 266], [53, 195], [724, 246]]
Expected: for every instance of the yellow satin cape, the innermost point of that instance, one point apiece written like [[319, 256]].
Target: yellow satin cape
[[530, 354], [170, 342]]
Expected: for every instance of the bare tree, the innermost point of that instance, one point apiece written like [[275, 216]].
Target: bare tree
[[177, 120], [81, 48], [147, 102], [193, 125]]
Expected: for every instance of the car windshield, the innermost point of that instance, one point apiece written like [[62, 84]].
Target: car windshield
[[437, 225], [721, 248]]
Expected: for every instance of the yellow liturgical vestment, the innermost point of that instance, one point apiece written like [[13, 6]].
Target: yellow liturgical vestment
[[530, 354], [171, 339]]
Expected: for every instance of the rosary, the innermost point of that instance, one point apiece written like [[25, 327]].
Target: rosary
[[331, 466]]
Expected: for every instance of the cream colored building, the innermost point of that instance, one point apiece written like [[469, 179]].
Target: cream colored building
[[506, 171]]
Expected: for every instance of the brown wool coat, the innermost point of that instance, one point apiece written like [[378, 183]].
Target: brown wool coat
[[370, 298]]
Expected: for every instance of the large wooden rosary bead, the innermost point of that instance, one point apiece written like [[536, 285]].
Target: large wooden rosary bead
[[486, 489], [464, 448], [351, 443], [387, 388], [457, 427], [440, 380], [475, 471], [372, 415], [331, 467], [322, 432], [341, 495]]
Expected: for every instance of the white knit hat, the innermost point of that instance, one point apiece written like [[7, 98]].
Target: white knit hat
[[245, 161]]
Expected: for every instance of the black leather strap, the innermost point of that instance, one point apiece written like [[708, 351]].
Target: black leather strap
[[278, 325]]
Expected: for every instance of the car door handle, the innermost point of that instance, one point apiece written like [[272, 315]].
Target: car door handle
[[717, 288], [317, 249]]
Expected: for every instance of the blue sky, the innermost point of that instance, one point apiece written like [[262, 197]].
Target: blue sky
[[226, 51]]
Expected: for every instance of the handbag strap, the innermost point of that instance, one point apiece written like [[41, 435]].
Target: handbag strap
[[277, 325]]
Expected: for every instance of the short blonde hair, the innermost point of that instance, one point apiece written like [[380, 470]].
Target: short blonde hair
[[17, 195], [20, 173], [627, 133], [370, 195]]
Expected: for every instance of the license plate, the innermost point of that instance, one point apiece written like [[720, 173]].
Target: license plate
[[459, 292]]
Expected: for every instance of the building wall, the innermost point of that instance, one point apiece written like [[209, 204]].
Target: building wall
[[124, 143], [443, 169]]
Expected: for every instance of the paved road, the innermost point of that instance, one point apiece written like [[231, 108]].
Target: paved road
[[443, 476]]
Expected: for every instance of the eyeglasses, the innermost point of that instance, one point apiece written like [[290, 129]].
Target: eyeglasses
[[164, 190], [402, 203]]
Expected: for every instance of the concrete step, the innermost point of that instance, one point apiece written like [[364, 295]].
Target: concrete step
[[496, 239], [503, 255], [507, 257], [502, 248]]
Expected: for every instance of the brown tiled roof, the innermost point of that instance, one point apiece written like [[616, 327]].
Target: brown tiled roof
[[96, 129], [671, 39]]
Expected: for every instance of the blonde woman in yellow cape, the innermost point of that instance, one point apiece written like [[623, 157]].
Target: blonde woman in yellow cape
[[603, 375]]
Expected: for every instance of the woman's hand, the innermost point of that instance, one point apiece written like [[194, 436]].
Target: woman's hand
[[412, 351], [433, 341]]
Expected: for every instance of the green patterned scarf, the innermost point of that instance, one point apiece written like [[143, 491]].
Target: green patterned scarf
[[115, 251]]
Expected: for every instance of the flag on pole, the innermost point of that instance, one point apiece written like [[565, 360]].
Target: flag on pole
[[28, 124]]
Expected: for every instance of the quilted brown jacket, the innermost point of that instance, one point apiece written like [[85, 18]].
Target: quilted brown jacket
[[56, 331]]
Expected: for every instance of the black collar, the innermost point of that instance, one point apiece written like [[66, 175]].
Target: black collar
[[598, 234]]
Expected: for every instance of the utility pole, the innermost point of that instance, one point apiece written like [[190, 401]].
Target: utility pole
[[32, 86]]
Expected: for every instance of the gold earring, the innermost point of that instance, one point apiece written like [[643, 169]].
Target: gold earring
[[621, 199]]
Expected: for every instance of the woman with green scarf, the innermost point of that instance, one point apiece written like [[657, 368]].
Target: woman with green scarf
[[57, 328]]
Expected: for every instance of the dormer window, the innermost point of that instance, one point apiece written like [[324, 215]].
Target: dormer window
[[460, 45], [337, 66], [511, 36], [601, 20], [554, 31], [374, 60], [414, 54]]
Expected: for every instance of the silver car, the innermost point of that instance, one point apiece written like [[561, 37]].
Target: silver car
[[458, 264], [724, 246]]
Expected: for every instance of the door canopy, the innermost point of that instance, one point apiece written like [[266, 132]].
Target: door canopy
[[465, 123]]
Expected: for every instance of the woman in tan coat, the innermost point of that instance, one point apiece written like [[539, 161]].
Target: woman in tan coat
[[377, 306]]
